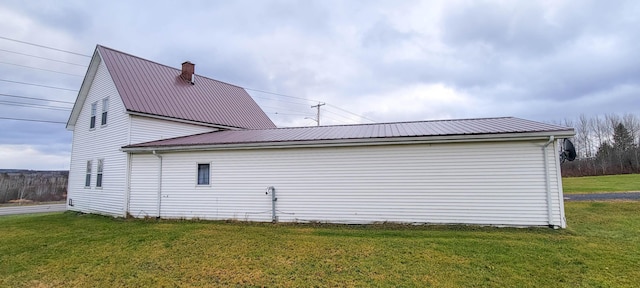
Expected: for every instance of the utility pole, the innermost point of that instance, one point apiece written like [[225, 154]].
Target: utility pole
[[318, 113]]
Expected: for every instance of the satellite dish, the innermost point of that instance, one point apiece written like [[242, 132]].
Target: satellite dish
[[568, 151]]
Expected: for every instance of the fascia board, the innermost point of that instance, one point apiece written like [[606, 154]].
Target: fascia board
[[84, 90]]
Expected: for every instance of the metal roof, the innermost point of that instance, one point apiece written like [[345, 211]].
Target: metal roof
[[155, 89], [363, 132]]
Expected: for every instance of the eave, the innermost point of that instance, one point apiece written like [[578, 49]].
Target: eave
[[530, 136], [84, 90]]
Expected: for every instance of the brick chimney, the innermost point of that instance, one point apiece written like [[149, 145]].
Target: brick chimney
[[188, 69]]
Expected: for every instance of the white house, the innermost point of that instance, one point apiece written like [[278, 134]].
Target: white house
[[126, 100], [180, 147]]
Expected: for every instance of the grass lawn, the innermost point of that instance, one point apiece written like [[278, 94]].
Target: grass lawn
[[601, 248], [599, 184]]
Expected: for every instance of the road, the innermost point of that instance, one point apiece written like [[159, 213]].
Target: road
[[28, 209], [602, 196]]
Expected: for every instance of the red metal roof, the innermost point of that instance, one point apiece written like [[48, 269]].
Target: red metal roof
[[155, 89], [504, 125]]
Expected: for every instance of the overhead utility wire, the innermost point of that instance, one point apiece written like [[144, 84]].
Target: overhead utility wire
[[32, 84], [44, 46], [273, 93], [284, 101], [354, 114], [42, 69], [45, 58], [34, 98], [33, 120], [79, 54], [311, 100], [21, 104]]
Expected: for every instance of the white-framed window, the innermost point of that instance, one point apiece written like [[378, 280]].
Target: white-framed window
[[87, 178], [99, 173], [204, 173], [105, 109], [94, 110]]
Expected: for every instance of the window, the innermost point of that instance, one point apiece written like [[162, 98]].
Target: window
[[87, 179], [105, 108], [99, 174], [203, 174], [94, 109]]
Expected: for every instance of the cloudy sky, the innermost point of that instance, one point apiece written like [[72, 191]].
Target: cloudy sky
[[369, 61]]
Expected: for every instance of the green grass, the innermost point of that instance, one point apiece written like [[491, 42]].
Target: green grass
[[600, 184], [601, 248]]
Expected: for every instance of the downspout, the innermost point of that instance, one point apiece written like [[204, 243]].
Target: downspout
[[548, 181], [159, 183]]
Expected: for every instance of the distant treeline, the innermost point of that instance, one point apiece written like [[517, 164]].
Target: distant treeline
[[37, 186], [605, 145]]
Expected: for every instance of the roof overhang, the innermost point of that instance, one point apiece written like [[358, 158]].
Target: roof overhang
[[531, 136]]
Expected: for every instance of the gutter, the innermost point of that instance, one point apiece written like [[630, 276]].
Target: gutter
[[159, 184], [548, 181]]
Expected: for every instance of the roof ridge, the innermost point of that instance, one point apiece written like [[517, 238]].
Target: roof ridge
[[157, 63]]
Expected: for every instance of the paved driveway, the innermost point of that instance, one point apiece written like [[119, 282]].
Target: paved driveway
[[602, 196], [28, 209]]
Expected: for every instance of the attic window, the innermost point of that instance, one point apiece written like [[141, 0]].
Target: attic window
[[105, 108], [94, 109], [87, 178]]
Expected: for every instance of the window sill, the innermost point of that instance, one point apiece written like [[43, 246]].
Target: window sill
[[87, 187]]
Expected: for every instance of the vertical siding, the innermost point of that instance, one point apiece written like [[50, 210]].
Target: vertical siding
[[100, 143], [145, 129], [143, 203], [493, 183]]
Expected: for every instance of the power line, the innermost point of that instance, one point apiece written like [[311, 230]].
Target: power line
[[42, 69], [45, 58], [79, 54], [283, 101], [47, 47], [34, 98], [273, 93], [33, 120], [311, 100], [289, 114], [351, 113], [21, 104], [32, 84]]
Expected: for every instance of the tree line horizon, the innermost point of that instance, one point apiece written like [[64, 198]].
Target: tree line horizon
[[605, 145]]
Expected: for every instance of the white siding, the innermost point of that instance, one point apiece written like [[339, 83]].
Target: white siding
[[143, 203], [105, 143], [493, 183], [145, 129], [100, 143]]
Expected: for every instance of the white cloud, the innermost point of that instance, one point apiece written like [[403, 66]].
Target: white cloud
[[31, 157], [419, 102]]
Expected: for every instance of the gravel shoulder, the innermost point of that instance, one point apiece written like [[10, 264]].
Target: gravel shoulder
[[29, 209]]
